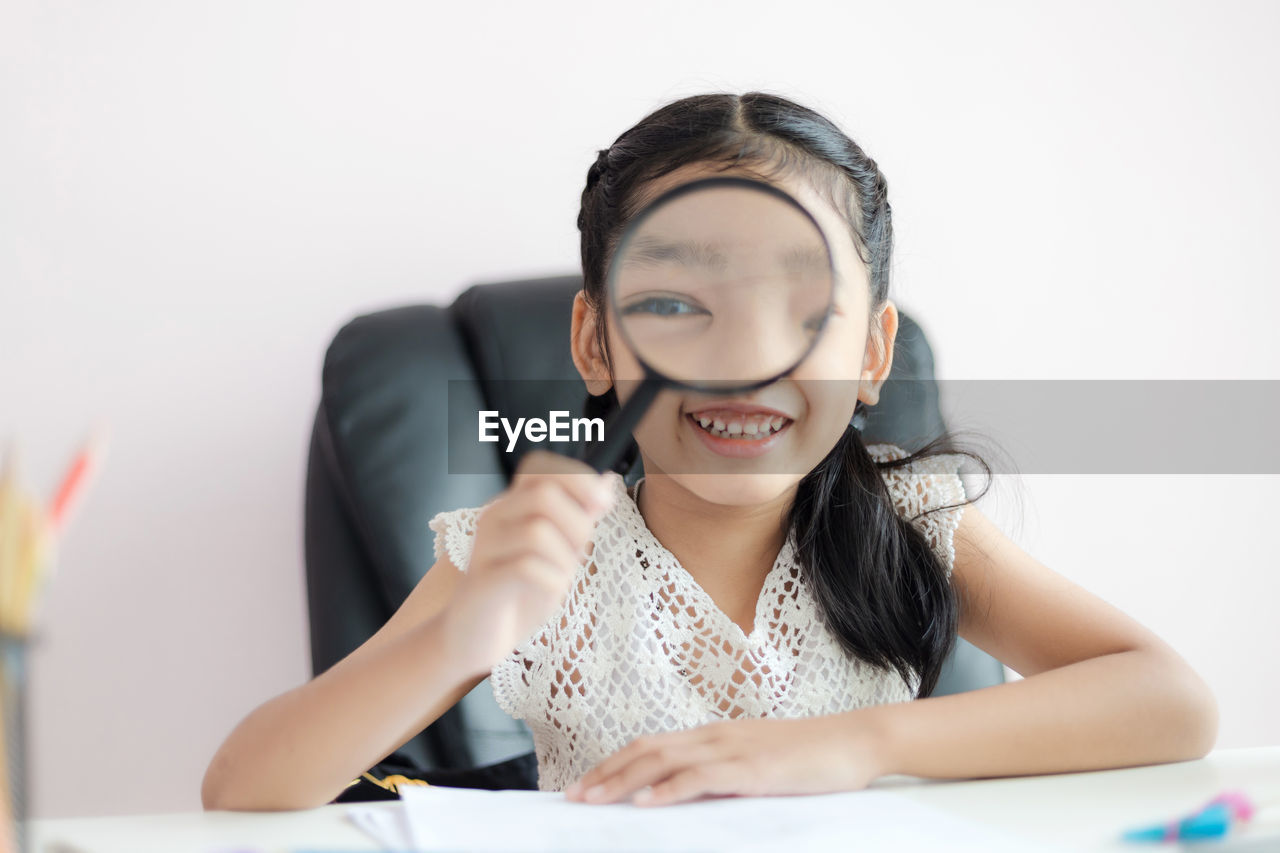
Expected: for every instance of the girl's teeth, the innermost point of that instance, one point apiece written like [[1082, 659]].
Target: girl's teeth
[[751, 429]]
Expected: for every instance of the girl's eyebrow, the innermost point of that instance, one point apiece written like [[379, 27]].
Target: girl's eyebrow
[[687, 253], [692, 253], [807, 259]]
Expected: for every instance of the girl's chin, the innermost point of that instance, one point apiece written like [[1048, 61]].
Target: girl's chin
[[738, 489]]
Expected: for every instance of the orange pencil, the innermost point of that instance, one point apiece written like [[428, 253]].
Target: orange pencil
[[75, 481]]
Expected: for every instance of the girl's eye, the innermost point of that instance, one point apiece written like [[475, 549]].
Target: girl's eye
[[815, 323], [664, 306]]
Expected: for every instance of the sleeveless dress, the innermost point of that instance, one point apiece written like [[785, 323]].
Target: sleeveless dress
[[638, 647]]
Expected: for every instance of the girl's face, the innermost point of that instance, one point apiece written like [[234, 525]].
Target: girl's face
[[796, 421]]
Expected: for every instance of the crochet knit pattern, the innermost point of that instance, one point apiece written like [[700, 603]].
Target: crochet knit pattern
[[638, 647]]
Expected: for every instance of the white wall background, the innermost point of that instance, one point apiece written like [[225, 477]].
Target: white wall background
[[197, 195]]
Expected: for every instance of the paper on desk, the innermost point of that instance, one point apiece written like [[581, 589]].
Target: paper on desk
[[384, 823], [470, 819]]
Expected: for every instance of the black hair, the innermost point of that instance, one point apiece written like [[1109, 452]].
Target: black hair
[[881, 588]]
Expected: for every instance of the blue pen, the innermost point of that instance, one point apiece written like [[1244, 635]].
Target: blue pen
[[1210, 822], [1213, 820]]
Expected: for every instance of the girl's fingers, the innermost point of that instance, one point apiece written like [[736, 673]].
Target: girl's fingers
[[539, 570], [546, 567], [590, 489], [553, 503], [721, 777], [556, 523], [547, 499], [637, 748], [649, 768]]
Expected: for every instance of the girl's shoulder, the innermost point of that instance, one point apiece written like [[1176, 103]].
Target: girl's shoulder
[[941, 466], [927, 492], [455, 529]]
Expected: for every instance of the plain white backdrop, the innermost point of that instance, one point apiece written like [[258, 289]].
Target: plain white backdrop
[[197, 195]]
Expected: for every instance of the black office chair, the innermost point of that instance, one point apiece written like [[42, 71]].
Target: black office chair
[[379, 470]]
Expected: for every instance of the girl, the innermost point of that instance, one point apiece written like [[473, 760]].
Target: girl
[[746, 634]]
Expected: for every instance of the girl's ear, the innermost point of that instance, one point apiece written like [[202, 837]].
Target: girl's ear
[[585, 347], [878, 359]]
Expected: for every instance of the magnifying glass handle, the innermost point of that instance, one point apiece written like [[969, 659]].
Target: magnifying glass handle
[[604, 455]]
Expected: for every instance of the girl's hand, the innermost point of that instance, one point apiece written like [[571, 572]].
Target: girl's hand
[[528, 544], [752, 757]]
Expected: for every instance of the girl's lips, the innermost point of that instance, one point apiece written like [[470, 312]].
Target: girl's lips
[[738, 448]]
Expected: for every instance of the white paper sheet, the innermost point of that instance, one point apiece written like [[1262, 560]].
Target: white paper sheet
[[464, 819], [385, 823]]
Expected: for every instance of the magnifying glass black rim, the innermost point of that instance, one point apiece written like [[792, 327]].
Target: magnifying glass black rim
[[633, 227]]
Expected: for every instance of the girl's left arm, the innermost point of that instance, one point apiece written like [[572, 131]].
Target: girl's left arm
[[1098, 689]]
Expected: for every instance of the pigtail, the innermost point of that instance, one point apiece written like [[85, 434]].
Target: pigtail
[[882, 590]]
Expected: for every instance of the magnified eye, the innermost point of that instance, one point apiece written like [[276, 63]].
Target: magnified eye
[[662, 305], [815, 323]]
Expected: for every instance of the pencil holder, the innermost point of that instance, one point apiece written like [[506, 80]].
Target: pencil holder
[[13, 748]]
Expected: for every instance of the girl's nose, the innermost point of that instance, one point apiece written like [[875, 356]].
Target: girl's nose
[[758, 335]]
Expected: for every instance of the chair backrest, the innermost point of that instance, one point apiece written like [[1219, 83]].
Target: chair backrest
[[379, 468]]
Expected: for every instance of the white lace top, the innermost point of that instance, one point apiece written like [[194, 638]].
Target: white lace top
[[638, 647]]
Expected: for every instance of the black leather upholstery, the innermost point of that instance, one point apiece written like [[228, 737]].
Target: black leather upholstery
[[379, 470]]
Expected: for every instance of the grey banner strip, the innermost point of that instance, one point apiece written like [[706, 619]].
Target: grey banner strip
[[1172, 426], [1019, 427]]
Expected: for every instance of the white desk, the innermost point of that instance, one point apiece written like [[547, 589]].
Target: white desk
[[1085, 810]]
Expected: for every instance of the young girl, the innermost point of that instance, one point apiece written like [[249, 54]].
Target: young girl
[[744, 634]]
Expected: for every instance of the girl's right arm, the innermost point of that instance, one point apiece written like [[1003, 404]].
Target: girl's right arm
[[301, 748]]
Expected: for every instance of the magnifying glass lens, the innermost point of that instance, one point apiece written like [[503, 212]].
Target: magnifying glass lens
[[721, 283]]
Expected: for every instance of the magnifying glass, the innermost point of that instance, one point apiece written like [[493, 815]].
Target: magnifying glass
[[721, 286]]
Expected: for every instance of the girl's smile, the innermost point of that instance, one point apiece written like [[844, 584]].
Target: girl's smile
[[738, 429]]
